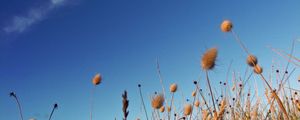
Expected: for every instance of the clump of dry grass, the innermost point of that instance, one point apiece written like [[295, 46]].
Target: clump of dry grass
[[223, 106], [225, 103]]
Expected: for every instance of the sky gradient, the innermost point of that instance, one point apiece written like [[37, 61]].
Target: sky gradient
[[51, 49]]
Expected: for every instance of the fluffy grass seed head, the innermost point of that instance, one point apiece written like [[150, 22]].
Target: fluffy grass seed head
[[226, 26], [157, 101], [251, 60], [187, 109], [173, 88], [97, 79], [257, 69], [162, 109], [197, 103], [194, 93], [209, 58]]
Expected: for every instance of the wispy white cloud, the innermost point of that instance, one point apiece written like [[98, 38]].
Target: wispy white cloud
[[22, 22]]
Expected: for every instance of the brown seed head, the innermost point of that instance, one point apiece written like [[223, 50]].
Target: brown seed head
[[97, 79], [157, 101], [173, 87], [226, 26], [209, 58], [197, 103], [251, 60], [194, 93], [257, 69], [187, 109], [162, 109]]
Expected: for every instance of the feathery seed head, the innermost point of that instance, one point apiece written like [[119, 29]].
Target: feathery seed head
[[226, 26], [157, 101], [257, 69], [209, 58], [251, 60], [162, 109]]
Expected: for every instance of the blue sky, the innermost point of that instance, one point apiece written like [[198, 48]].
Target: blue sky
[[51, 49]]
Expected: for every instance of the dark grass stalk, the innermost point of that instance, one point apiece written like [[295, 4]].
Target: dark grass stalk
[[55, 106], [210, 90], [195, 82], [140, 91], [125, 102], [12, 94]]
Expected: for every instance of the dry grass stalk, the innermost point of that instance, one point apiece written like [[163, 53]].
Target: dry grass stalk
[[205, 114], [144, 106], [223, 106], [208, 63]]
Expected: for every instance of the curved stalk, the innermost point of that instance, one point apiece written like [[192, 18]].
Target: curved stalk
[[12, 94], [143, 101]]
